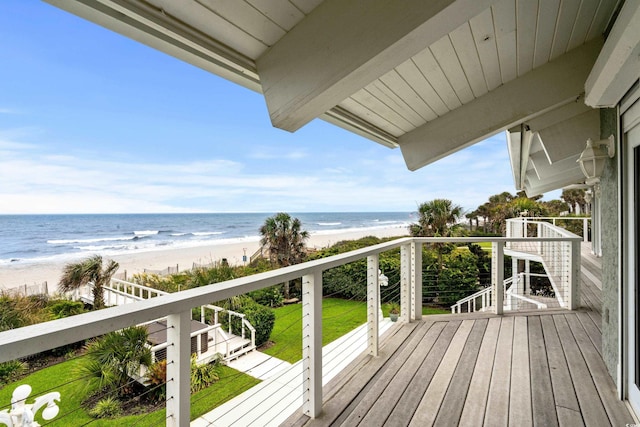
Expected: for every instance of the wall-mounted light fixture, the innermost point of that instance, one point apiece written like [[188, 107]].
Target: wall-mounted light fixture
[[593, 158]]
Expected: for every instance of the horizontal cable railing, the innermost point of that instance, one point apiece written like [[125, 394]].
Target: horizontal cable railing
[[176, 308]]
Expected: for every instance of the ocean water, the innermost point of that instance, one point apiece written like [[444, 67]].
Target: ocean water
[[41, 238]]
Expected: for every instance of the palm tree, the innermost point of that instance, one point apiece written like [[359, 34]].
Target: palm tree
[[437, 218], [90, 270], [284, 240]]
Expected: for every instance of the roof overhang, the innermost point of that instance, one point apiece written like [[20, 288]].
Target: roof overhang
[[429, 77]]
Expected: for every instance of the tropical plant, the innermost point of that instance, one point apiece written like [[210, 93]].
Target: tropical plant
[[112, 359], [156, 377], [65, 308], [88, 271], [437, 218], [284, 240], [108, 407], [10, 370], [202, 376]]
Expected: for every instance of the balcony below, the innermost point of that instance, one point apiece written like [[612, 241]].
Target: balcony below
[[525, 368]]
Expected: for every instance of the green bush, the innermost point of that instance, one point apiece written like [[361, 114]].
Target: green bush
[[269, 297], [156, 377], [11, 370], [202, 376], [261, 318], [107, 407], [66, 308], [459, 277]]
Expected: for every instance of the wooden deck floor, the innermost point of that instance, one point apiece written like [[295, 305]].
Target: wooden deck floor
[[540, 368]]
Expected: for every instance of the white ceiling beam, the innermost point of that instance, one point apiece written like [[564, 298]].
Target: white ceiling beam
[[344, 45], [618, 65], [543, 89]]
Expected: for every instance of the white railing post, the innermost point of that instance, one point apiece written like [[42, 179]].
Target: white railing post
[[497, 276], [312, 343], [416, 281], [574, 276], [585, 230], [405, 282], [373, 304], [178, 368]]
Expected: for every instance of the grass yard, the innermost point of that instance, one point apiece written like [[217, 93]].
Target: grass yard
[[338, 317], [60, 378]]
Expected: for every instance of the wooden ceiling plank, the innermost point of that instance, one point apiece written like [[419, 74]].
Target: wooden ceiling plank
[[282, 12], [395, 102], [465, 47], [247, 18], [564, 28], [429, 67], [356, 108], [543, 89], [408, 95], [527, 16], [504, 15], [448, 60], [370, 97], [585, 17], [306, 6], [412, 75], [344, 44], [600, 21], [215, 26], [547, 17], [484, 37]]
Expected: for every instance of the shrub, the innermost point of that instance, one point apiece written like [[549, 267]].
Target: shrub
[[11, 370], [107, 407], [269, 297], [261, 318], [66, 308], [459, 277], [202, 376], [157, 377]]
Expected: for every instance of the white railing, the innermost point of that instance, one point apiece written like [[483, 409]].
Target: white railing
[[177, 307], [554, 220], [561, 257]]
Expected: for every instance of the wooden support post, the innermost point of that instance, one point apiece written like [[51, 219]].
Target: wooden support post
[[497, 276], [178, 369], [373, 304], [416, 280], [312, 343], [585, 230], [405, 283]]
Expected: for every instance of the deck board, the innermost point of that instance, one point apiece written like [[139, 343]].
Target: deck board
[[539, 368], [542, 402]]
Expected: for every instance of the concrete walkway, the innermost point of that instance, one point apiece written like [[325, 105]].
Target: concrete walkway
[[272, 401]]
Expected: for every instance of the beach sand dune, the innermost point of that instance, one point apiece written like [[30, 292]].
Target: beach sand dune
[[12, 276]]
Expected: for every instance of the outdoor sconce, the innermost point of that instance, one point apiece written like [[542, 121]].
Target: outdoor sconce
[[382, 279], [588, 196], [593, 157]]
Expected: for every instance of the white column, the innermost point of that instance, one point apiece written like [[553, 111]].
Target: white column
[[312, 343], [574, 277], [514, 283], [178, 368], [497, 276], [585, 230], [373, 304], [405, 282], [527, 277], [416, 280]]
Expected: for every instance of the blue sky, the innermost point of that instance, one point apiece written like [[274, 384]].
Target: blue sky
[[93, 122]]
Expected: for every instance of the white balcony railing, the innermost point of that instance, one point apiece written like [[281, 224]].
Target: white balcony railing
[[177, 307]]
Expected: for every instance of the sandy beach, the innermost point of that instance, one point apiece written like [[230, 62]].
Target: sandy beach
[[12, 276]]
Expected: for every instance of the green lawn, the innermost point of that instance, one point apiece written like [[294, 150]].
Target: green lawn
[[338, 317], [61, 378]]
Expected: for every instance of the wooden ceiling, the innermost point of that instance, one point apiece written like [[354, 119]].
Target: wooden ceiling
[[428, 77]]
